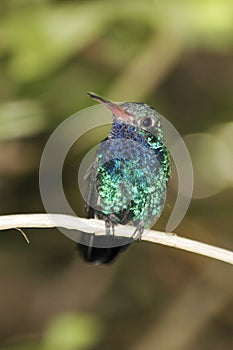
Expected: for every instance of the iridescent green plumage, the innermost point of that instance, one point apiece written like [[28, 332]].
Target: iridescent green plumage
[[127, 182]]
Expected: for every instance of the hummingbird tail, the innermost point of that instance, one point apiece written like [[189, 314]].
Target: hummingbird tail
[[90, 251]]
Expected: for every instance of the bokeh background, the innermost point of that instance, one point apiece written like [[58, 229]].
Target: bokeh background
[[174, 55]]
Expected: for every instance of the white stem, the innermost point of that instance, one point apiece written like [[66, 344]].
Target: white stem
[[98, 227]]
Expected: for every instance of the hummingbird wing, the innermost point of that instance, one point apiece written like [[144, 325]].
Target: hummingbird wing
[[90, 246], [91, 195]]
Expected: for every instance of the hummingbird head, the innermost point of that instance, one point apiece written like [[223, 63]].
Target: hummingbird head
[[134, 113]]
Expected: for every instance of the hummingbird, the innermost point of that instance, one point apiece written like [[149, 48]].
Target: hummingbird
[[127, 181]]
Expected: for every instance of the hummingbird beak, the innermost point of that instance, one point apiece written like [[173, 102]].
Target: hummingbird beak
[[119, 112]]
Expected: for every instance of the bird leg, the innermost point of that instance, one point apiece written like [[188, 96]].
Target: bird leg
[[109, 227], [138, 232]]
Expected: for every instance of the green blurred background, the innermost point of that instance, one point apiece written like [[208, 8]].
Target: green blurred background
[[174, 55]]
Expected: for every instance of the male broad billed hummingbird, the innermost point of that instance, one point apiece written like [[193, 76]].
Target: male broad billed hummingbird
[[127, 181]]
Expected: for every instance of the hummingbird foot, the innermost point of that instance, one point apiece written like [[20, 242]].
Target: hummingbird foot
[[109, 227], [138, 233]]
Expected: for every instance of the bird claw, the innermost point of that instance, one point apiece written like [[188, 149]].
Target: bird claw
[[109, 228], [138, 233]]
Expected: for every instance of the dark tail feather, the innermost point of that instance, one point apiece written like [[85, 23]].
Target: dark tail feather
[[92, 254]]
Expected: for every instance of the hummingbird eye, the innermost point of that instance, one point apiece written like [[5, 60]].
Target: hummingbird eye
[[147, 122]]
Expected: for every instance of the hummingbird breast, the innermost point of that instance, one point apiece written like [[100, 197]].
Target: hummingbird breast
[[129, 176]]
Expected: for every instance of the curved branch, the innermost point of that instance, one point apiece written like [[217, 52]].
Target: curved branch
[[98, 227]]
